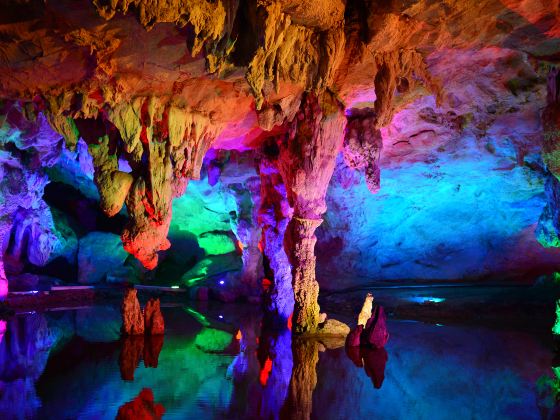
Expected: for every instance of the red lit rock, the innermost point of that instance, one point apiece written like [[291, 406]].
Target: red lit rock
[[130, 355], [375, 332], [133, 319], [143, 407], [153, 319]]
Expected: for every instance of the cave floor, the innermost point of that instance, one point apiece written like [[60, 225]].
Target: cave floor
[[215, 361]]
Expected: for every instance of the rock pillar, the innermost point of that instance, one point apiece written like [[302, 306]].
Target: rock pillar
[[274, 215], [307, 155]]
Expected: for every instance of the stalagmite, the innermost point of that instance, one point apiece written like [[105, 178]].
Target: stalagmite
[[365, 313]]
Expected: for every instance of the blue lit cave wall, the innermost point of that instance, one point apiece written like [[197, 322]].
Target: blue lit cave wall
[[456, 203]]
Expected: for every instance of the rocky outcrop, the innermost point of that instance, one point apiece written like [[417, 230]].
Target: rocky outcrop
[[132, 317], [98, 254], [27, 146]]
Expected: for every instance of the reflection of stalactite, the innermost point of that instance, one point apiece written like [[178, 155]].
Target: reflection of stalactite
[[141, 407], [363, 144], [299, 403], [24, 350], [135, 348]]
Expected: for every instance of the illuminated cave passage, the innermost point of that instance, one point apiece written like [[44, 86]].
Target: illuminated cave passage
[[295, 182]]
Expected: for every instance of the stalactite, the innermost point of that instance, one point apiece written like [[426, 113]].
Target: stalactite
[[164, 145], [363, 144], [399, 71], [296, 46]]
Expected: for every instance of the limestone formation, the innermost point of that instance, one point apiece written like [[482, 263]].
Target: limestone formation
[[274, 216], [151, 86], [132, 317], [363, 144], [306, 161], [153, 319]]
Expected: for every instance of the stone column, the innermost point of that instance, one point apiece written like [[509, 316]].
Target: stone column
[[307, 157], [274, 215]]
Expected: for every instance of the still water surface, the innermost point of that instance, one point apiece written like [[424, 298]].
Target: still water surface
[[217, 363]]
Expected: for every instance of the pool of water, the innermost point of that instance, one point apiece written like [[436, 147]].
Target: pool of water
[[215, 362]]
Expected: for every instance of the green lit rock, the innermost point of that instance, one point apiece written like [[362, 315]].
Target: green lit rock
[[556, 327], [212, 266], [216, 243], [211, 340]]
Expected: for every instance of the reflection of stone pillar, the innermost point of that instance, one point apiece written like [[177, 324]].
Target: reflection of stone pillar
[[299, 402], [306, 161]]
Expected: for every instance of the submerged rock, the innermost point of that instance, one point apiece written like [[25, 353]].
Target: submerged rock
[[153, 319], [133, 320]]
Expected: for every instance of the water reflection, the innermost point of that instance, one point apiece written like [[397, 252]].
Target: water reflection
[[134, 348], [231, 367], [372, 360], [142, 407], [24, 350]]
